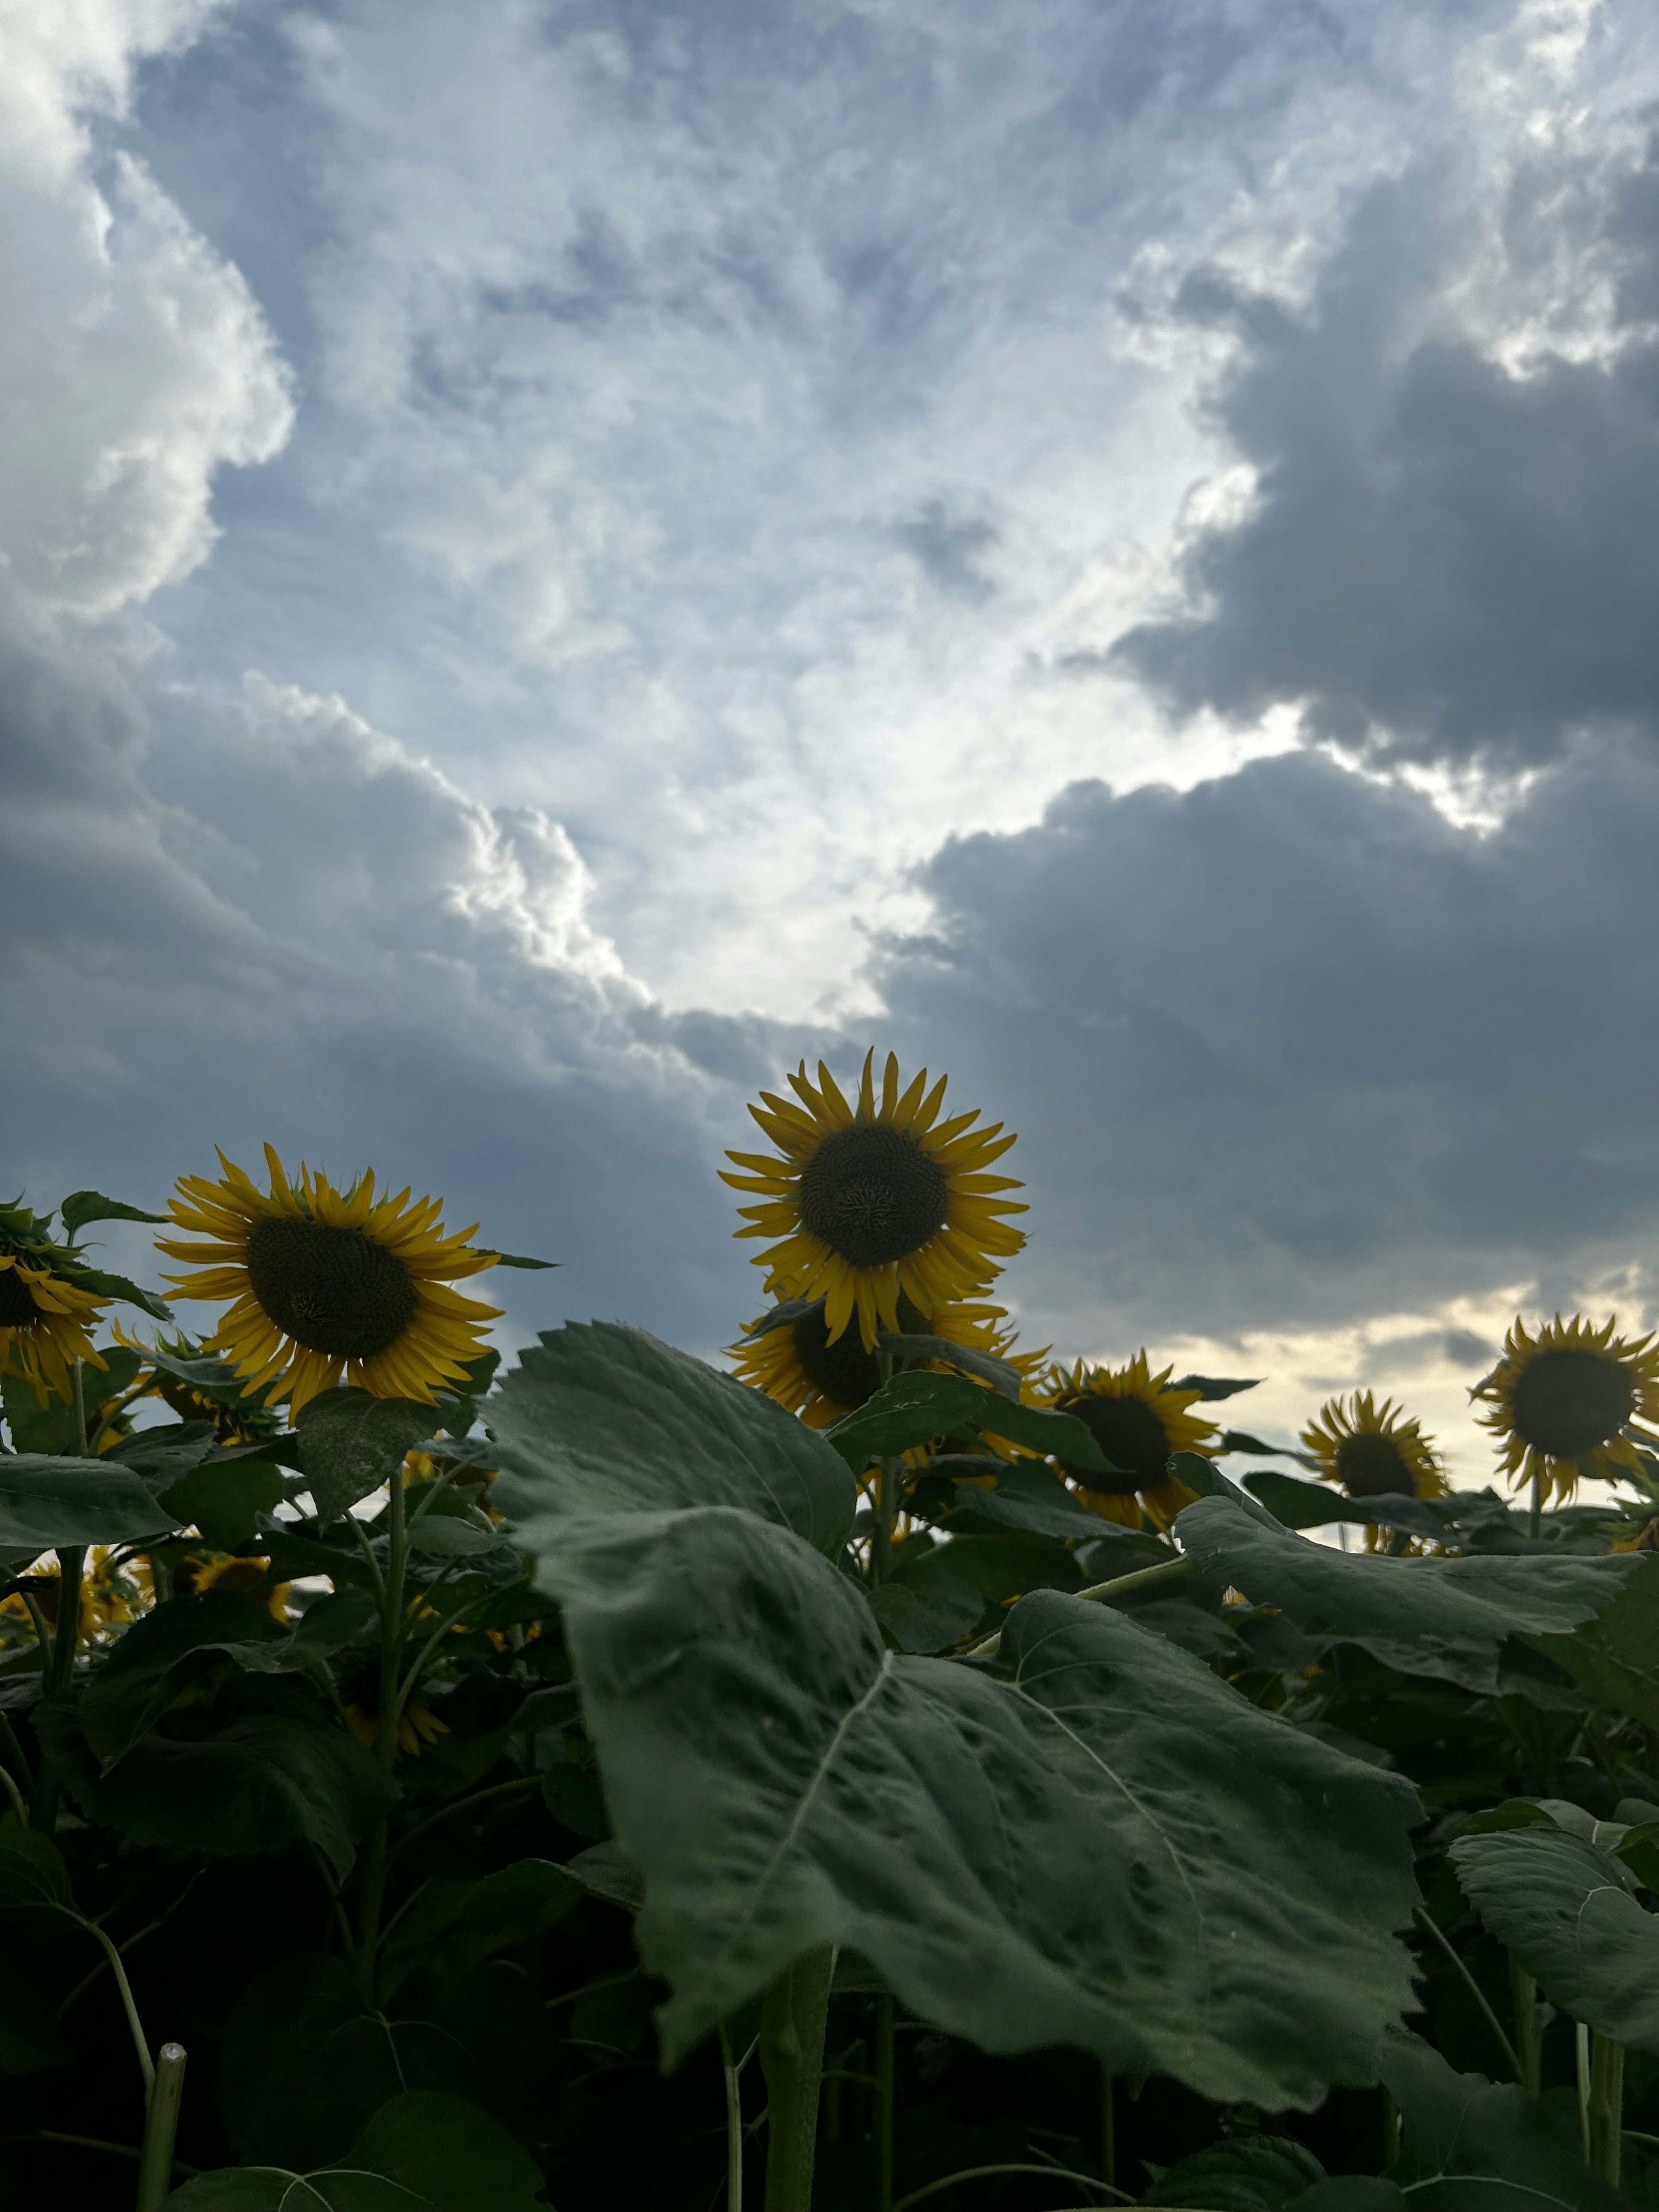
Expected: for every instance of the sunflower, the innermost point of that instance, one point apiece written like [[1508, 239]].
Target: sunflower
[[870, 1201], [1138, 1420], [329, 1282], [107, 1596], [192, 1576], [1374, 1451], [796, 1362], [417, 1724], [1563, 1403], [44, 1315]]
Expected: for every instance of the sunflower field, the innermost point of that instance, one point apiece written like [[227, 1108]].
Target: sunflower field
[[908, 1768]]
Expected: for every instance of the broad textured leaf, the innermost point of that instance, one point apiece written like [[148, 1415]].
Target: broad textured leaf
[[224, 1498], [1002, 1379], [927, 1606], [82, 1207], [1469, 2145], [1564, 1909], [1460, 1601], [1246, 2173], [423, 2152], [1091, 1841], [1616, 1656], [32, 1870], [1300, 1504], [601, 1419], [257, 1785], [447, 1536], [914, 1407], [350, 1444], [1026, 1495], [160, 1655], [163, 1454], [605, 1870], [46, 1502]]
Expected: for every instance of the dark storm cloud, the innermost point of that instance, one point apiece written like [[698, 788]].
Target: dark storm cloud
[[1290, 1045], [1444, 561]]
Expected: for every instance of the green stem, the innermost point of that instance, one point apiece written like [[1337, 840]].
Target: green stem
[[1474, 1989], [1536, 1515], [793, 2019], [733, 2124], [1166, 1571], [1606, 2108], [20, 1803], [1528, 2043], [161, 2125], [1581, 2045], [134, 2023], [884, 2130], [1108, 2125], [9, 1739]]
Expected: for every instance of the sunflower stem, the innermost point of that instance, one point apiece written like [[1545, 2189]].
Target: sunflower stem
[[1535, 1517], [1523, 2006], [883, 2128], [730, 2067], [160, 2126], [793, 2017], [1606, 2108], [1166, 1571]]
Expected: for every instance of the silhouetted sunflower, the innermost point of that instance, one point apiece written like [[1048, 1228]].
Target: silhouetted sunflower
[[1563, 1402], [329, 1283], [793, 1360], [1138, 1420], [870, 1201], [1374, 1451]]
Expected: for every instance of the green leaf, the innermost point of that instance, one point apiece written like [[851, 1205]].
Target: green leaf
[[457, 1925], [516, 1260], [32, 1870], [224, 1499], [217, 1379], [351, 1443], [164, 1453], [1002, 1379], [1091, 1840], [604, 1418], [423, 2152], [46, 1501], [1564, 1909], [1460, 1601], [914, 1407], [447, 1536], [161, 1654], [1027, 1495], [1300, 1504], [82, 1207], [927, 1606], [1246, 2173], [1212, 1386], [1468, 2145], [1617, 1656], [105, 1285], [328, 1626]]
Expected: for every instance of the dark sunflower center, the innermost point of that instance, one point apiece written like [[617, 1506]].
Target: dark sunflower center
[[335, 1290], [844, 1370], [1369, 1466], [1131, 1435], [1569, 1402], [872, 1195], [17, 1306]]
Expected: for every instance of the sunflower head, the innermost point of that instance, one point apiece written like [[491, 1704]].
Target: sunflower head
[[1138, 1419], [1373, 1451], [108, 1595], [875, 1199], [789, 1353], [360, 1695], [45, 1312], [1566, 1404], [327, 1282], [192, 1576]]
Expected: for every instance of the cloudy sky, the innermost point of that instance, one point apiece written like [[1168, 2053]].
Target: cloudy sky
[[555, 554]]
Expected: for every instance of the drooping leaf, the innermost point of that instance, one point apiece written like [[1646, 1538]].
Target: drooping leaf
[[1246, 2173], [1455, 1601], [103, 1285], [1211, 1388], [927, 1606], [82, 1207], [351, 1443], [1025, 1494], [32, 1870], [423, 2152], [161, 1654], [1564, 1909], [913, 1408], [224, 1498], [1469, 2145], [165, 1453], [447, 1536], [1092, 1840], [517, 1259], [602, 1419], [46, 1501], [1616, 1656], [1002, 1379], [1300, 1504]]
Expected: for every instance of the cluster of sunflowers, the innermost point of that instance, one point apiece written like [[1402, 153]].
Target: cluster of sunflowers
[[883, 1215]]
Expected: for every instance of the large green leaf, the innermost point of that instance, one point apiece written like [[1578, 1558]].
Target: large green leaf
[[1092, 1840], [914, 1407], [160, 1656], [1026, 1495], [1245, 2174], [1460, 1601], [1002, 1379], [165, 1453], [32, 1870], [1301, 1504], [1616, 1656], [46, 1502], [351, 1445], [82, 1207], [1565, 1912], [423, 2152], [457, 1925], [1468, 2145], [602, 1419], [224, 1499], [927, 1606]]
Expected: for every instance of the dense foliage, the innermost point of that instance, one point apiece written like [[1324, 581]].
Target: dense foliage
[[595, 1786]]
